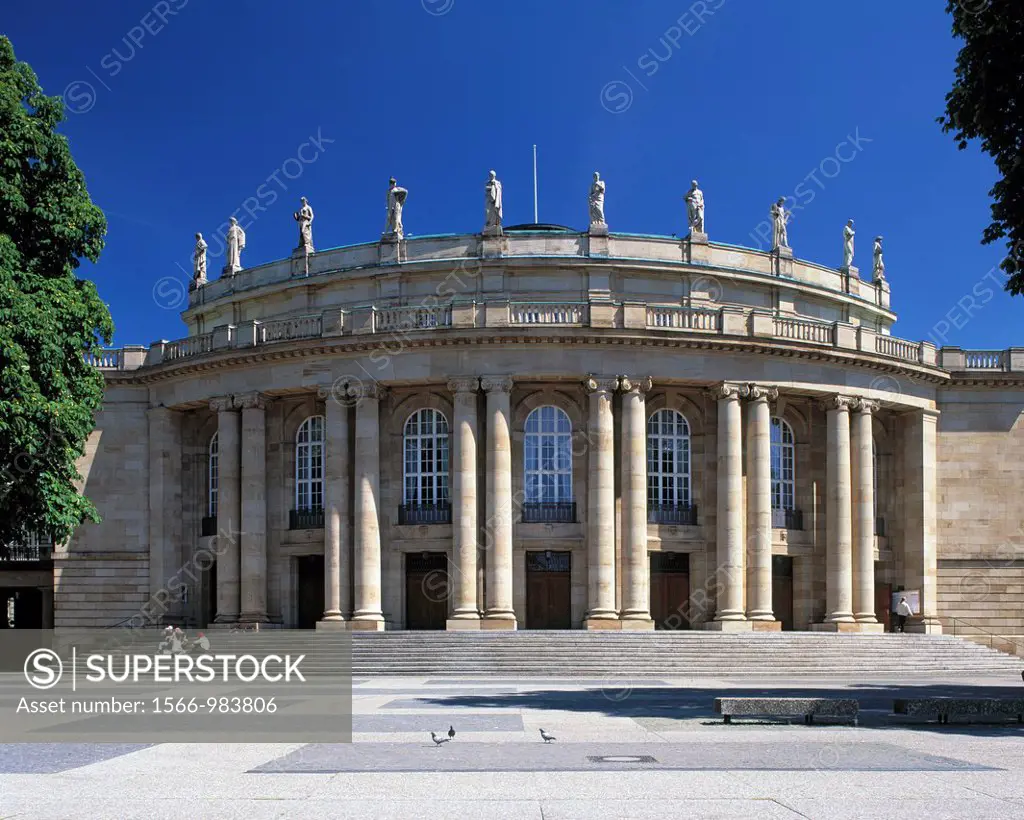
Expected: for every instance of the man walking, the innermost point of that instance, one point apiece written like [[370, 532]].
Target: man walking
[[903, 611]]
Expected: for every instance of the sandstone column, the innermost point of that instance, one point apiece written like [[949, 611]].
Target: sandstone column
[[730, 614], [465, 614], [863, 468], [636, 580], [759, 505], [367, 613], [838, 514], [601, 505], [920, 495], [229, 509], [165, 512], [336, 513], [500, 613], [253, 548]]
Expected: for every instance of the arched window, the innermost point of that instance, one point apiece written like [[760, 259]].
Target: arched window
[[425, 494], [211, 500], [548, 466], [783, 467], [668, 468], [309, 465]]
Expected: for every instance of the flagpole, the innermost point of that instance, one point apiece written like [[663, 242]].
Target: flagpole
[[535, 219]]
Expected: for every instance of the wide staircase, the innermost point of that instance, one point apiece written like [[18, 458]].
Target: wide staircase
[[621, 654]]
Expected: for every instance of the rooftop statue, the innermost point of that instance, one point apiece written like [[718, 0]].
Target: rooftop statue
[[597, 200], [878, 267], [236, 244], [780, 218], [304, 216], [695, 208], [199, 262], [848, 234], [492, 204], [395, 202]]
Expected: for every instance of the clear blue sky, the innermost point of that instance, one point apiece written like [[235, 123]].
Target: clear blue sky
[[193, 113]]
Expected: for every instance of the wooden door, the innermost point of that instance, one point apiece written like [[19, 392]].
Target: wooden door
[[670, 590], [782, 590], [548, 589], [310, 590], [426, 590], [883, 605]]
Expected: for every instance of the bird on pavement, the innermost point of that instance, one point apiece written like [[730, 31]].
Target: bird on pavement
[[547, 738], [451, 733], [438, 740]]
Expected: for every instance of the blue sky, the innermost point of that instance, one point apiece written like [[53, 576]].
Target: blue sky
[[188, 107]]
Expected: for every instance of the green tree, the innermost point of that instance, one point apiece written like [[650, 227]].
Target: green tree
[[987, 103], [49, 318]]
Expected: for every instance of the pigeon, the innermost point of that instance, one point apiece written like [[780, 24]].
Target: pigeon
[[451, 733], [438, 740], [547, 738]]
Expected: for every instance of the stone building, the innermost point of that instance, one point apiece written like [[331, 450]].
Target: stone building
[[542, 428]]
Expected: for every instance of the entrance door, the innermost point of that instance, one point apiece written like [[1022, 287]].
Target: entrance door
[[883, 605], [426, 590], [548, 586], [782, 590], [670, 590], [311, 590]]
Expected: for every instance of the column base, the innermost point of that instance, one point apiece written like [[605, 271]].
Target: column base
[[463, 624], [766, 626], [612, 624], [253, 618], [728, 626], [498, 623], [224, 620], [367, 626], [637, 624], [332, 625], [836, 626]]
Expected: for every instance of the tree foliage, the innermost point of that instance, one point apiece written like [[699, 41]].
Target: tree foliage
[[987, 103], [49, 318]]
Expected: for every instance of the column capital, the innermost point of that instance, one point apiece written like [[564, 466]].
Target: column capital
[[251, 401], [838, 402], [640, 385], [335, 391], [221, 404], [464, 384], [759, 392], [496, 384], [600, 384], [862, 405], [357, 390], [727, 390]]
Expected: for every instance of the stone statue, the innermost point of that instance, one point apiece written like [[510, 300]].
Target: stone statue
[[597, 200], [199, 262], [236, 244], [695, 208], [780, 216], [304, 216], [492, 205], [848, 234], [878, 268], [395, 202]]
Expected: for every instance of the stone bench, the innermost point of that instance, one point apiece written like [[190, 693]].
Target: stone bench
[[942, 708], [808, 708]]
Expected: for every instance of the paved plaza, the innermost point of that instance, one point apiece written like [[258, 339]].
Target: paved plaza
[[624, 749]]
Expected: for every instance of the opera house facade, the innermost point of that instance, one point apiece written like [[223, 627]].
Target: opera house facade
[[535, 427]]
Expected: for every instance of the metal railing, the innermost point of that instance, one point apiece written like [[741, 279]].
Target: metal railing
[[26, 552], [413, 317], [549, 512], [685, 514], [306, 519], [548, 313], [967, 630], [787, 519], [803, 330], [297, 327], [674, 317], [425, 514]]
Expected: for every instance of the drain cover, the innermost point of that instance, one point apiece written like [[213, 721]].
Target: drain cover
[[621, 759]]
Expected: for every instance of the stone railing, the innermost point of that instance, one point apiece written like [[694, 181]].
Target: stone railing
[[187, 347], [803, 330], [413, 317], [548, 313], [898, 348], [110, 359], [1010, 360], [986, 359], [674, 317], [297, 327]]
